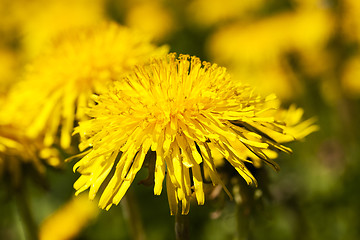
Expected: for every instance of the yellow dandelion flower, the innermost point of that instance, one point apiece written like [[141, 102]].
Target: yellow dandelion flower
[[183, 110], [17, 150], [59, 83], [73, 217], [207, 13], [350, 77], [9, 65], [255, 51], [295, 129], [47, 19], [268, 38], [153, 18], [351, 21]]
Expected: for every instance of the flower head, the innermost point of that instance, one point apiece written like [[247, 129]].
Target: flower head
[[59, 83], [350, 77], [73, 216], [47, 19], [183, 110], [17, 150], [207, 13], [255, 52], [153, 18]]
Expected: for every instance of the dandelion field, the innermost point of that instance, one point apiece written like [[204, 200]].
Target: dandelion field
[[179, 119]]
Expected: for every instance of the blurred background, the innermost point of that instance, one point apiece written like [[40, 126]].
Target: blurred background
[[305, 51]]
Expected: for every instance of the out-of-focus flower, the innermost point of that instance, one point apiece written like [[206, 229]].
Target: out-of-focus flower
[[51, 18], [9, 65], [274, 76], [262, 45], [210, 12], [16, 150], [351, 77], [18, 153], [351, 21], [181, 109], [59, 83], [37, 22], [151, 17], [296, 128], [13, 14], [68, 221]]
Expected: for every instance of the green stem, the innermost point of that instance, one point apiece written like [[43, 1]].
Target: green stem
[[243, 196], [132, 215], [181, 226], [243, 229], [28, 221]]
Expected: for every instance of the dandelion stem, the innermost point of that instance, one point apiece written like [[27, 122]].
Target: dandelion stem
[[242, 222], [243, 196], [28, 221], [132, 216], [181, 226]]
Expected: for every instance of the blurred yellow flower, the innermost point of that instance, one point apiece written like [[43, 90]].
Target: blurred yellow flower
[[181, 109], [59, 83], [260, 47], [351, 77], [68, 221], [296, 129], [13, 14], [206, 13], [38, 21], [51, 18], [9, 65], [17, 150], [272, 77], [351, 20], [151, 17]]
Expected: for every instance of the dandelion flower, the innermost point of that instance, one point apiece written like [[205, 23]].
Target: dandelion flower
[[350, 21], [47, 20], [9, 65], [58, 84], [255, 52], [73, 217], [207, 13], [350, 77], [183, 110], [17, 150], [153, 18]]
